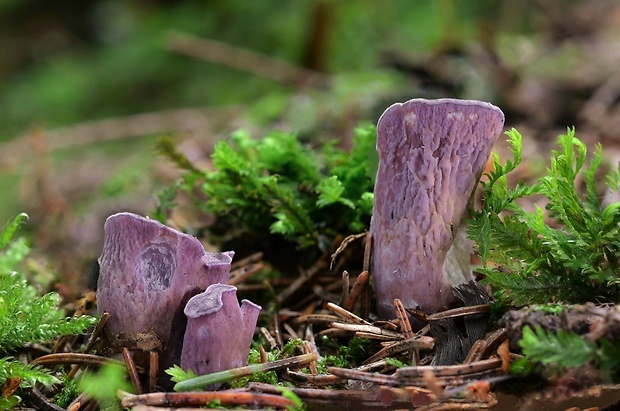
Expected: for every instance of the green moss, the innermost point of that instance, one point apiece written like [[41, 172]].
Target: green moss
[[278, 186], [26, 317], [568, 253]]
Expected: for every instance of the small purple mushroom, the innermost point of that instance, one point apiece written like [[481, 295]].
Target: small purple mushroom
[[219, 332], [147, 273], [432, 153]]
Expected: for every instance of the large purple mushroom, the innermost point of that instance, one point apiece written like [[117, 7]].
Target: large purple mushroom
[[219, 331], [148, 272], [432, 153]]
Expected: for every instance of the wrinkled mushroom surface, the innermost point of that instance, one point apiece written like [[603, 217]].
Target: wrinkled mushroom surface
[[148, 270], [431, 155], [219, 332]]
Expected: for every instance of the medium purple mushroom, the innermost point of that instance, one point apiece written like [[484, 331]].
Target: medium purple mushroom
[[147, 273], [219, 332], [432, 153]]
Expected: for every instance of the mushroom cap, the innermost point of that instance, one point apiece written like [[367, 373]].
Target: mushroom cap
[[212, 300], [219, 332]]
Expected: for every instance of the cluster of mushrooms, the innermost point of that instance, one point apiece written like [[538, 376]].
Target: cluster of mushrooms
[[154, 279]]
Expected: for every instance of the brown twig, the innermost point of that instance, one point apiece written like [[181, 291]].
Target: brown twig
[[153, 370], [476, 351], [346, 314], [414, 343], [367, 252], [358, 287], [369, 331], [450, 370], [184, 399], [74, 358], [317, 380], [275, 322], [315, 319], [131, 369], [273, 344], [345, 287], [241, 274], [244, 60], [460, 312], [138, 125], [344, 244]]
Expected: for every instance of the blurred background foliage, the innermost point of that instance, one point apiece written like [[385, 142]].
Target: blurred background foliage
[[86, 86]]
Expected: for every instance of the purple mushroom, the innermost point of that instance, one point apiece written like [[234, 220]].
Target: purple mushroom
[[148, 272], [432, 153], [219, 332]]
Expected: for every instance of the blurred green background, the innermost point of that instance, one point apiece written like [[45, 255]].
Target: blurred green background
[[86, 86]]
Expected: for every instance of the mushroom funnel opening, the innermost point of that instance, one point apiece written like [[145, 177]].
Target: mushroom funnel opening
[[219, 331]]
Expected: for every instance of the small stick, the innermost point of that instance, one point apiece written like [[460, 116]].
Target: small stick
[[373, 336], [276, 330], [367, 252], [365, 303], [346, 314], [405, 327], [243, 273], [74, 358], [353, 374], [314, 379], [174, 399], [222, 376], [344, 244], [345, 287], [365, 295], [133, 373], [307, 349], [96, 332], [504, 353], [91, 342], [245, 60], [388, 325], [265, 333], [317, 394], [460, 312], [393, 380], [335, 333], [475, 353], [368, 329], [264, 358], [251, 259], [419, 314], [315, 319], [78, 402], [153, 370], [290, 330], [312, 342], [358, 286], [494, 339], [40, 401], [450, 370], [377, 366], [415, 343]]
